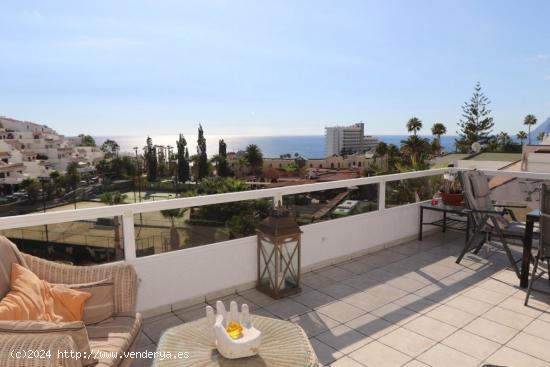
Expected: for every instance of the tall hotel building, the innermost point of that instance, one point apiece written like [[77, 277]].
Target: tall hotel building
[[348, 139]]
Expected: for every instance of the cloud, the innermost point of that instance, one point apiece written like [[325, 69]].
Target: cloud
[[547, 77], [541, 56]]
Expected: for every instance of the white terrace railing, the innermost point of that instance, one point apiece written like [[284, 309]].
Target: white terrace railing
[[127, 211], [177, 278]]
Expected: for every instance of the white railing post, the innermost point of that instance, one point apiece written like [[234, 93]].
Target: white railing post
[[277, 198], [129, 236], [382, 195]]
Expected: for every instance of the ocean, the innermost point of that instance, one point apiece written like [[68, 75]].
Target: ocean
[[310, 146]]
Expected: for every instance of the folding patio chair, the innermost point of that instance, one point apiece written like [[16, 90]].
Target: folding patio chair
[[543, 253], [488, 221]]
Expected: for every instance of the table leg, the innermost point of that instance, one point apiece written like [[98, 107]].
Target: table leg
[[526, 258], [467, 227], [421, 223], [444, 221]]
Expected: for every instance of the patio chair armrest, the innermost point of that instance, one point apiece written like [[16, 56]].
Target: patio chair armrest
[[483, 211], [122, 274], [36, 350], [512, 206]]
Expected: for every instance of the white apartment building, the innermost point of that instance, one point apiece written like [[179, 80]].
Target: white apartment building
[[350, 139], [31, 150]]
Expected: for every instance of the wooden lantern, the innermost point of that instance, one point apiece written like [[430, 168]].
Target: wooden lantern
[[279, 242]]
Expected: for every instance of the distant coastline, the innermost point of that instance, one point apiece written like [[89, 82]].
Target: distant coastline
[[310, 146]]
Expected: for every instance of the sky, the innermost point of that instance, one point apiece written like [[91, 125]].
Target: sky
[[270, 67]]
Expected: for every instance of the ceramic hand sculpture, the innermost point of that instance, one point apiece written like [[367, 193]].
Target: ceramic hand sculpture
[[233, 333]]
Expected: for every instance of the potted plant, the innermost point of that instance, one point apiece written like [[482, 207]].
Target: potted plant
[[451, 190]]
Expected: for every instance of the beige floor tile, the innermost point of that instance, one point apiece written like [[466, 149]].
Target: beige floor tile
[[441, 355], [376, 354], [407, 342], [314, 322], [155, 328], [416, 303], [313, 299], [396, 314], [335, 273], [538, 328], [470, 305], [516, 304], [545, 316], [415, 363], [385, 293], [510, 357], [491, 330], [259, 298], [341, 311], [371, 325], [325, 353], [406, 284], [339, 290], [346, 361], [471, 344], [287, 308], [451, 315], [532, 345], [430, 328], [343, 339], [485, 295], [364, 301], [316, 281], [506, 317], [498, 286]]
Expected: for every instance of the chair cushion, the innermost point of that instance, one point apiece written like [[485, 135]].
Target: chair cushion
[[116, 335], [514, 229], [101, 306], [10, 254], [33, 299], [75, 329]]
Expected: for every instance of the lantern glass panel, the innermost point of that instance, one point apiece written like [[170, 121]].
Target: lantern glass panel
[[289, 262], [267, 264]]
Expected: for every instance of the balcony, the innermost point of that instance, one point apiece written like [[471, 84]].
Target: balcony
[[372, 294]]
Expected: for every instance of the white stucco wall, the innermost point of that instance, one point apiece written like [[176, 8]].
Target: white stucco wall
[[191, 273]]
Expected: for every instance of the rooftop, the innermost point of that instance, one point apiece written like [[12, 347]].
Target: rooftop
[[409, 305]]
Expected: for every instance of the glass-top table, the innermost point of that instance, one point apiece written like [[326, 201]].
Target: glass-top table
[[454, 217]]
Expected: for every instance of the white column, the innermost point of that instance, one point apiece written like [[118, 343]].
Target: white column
[[129, 236], [382, 195], [277, 198]]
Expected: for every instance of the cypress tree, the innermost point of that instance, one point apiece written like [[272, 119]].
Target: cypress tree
[[223, 167], [151, 160], [183, 159], [202, 158]]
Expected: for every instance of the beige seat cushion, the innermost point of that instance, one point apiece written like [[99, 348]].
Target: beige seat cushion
[[8, 254], [116, 335], [101, 306], [75, 329]]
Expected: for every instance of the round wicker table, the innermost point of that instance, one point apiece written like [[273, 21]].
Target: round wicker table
[[284, 344]]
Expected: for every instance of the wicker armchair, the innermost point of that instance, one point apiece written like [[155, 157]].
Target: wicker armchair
[[114, 335]]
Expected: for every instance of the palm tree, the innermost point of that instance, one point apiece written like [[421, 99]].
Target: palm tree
[[414, 125], [439, 129], [414, 146], [255, 159], [530, 120], [115, 198], [503, 140], [382, 149], [541, 136], [172, 214], [522, 135]]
